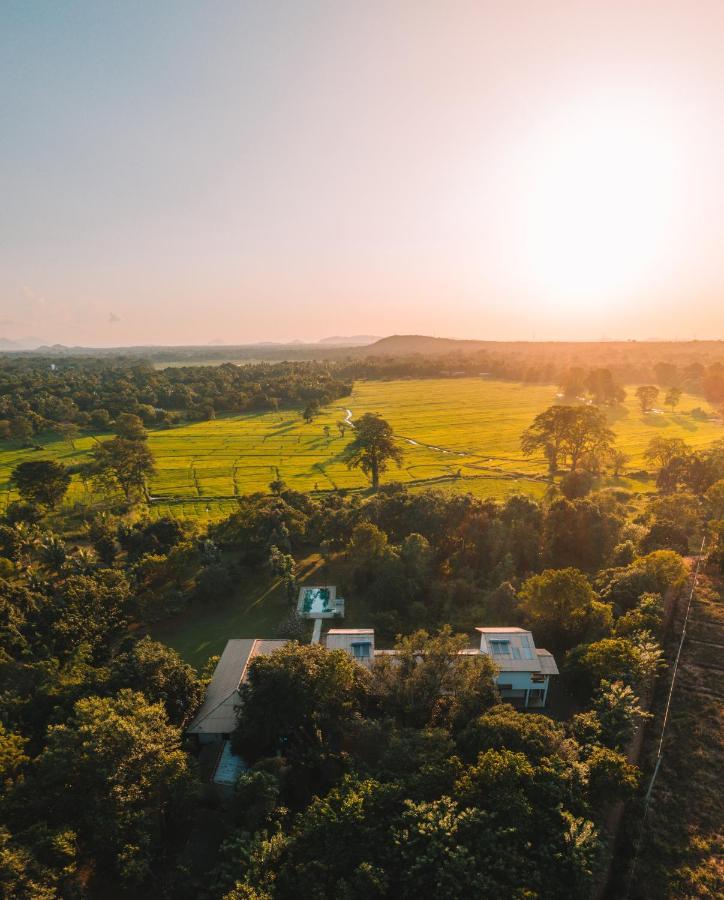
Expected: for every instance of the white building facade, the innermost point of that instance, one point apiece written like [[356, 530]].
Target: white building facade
[[524, 670]]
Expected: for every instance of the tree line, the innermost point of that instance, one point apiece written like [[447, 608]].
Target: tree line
[[67, 393], [38, 394]]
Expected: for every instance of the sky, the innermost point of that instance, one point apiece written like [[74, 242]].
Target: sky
[[186, 172]]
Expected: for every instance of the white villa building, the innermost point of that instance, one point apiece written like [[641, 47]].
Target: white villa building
[[525, 670], [524, 673]]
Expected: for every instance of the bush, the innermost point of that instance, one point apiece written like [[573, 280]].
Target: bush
[[576, 484], [213, 584]]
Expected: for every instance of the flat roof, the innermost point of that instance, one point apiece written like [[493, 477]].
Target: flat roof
[[351, 631], [510, 629]]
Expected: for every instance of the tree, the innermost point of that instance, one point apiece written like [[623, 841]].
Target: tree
[[123, 463], [160, 674], [21, 429], [647, 395], [610, 777], [665, 569], [213, 584], [504, 728], [69, 431], [579, 533], [618, 460], [52, 552], [130, 427], [614, 659], [714, 498], [430, 682], [576, 484], [547, 434], [12, 755], [563, 605], [602, 387], [311, 411], [660, 451], [372, 447], [619, 712], [673, 396], [88, 611], [573, 382], [41, 481], [121, 756], [588, 435], [568, 433], [282, 566], [298, 699], [646, 616]]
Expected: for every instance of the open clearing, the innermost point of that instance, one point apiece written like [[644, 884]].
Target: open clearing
[[461, 434]]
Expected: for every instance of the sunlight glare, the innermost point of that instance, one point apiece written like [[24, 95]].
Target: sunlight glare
[[600, 190]]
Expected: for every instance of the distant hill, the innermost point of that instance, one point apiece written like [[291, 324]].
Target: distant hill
[[408, 344], [353, 340]]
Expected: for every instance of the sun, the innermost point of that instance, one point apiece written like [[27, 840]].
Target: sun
[[598, 193]]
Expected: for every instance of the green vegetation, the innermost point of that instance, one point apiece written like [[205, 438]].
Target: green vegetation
[[392, 780], [466, 433]]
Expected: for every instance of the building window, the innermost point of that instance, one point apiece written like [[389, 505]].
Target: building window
[[505, 687], [500, 649], [361, 651], [527, 646]]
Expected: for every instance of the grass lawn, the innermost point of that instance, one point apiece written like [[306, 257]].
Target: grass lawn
[[254, 610], [461, 434]]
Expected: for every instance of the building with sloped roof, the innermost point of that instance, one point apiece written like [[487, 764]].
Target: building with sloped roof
[[216, 719], [524, 671]]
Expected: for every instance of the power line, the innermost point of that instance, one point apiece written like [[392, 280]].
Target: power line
[[659, 751]]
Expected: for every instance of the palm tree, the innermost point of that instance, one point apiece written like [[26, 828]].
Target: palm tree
[[82, 562], [52, 552]]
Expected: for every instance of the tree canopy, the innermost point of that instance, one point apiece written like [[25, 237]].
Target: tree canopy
[[372, 447]]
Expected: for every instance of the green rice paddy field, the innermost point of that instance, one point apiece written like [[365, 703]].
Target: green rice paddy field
[[462, 434]]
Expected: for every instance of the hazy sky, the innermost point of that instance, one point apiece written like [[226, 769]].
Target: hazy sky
[[180, 172]]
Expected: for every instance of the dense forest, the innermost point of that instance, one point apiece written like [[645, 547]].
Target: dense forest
[[40, 394], [389, 782]]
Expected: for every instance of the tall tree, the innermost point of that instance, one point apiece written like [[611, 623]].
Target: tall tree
[[122, 463], [298, 698], [41, 481], [373, 447], [673, 395], [69, 431], [130, 427], [568, 433], [588, 435], [115, 770], [547, 434], [647, 395], [603, 389], [562, 603], [661, 450]]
